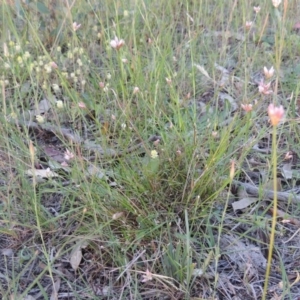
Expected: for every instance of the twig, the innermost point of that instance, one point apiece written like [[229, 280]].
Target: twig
[[269, 194]]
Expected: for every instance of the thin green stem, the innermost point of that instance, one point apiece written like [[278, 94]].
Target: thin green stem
[[272, 236]]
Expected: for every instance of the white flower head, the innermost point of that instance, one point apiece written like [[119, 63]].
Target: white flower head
[[59, 104], [55, 87], [40, 119], [153, 154], [48, 68]]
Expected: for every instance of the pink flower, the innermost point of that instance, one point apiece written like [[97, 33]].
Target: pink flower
[[116, 43], [246, 107], [214, 134], [136, 90], [275, 113], [288, 155], [269, 73], [264, 88], [147, 276], [248, 24], [256, 9], [53, 65], [76, 26], [276, 3], [68, 155], [169, 81], [156, 142], [82, 105]]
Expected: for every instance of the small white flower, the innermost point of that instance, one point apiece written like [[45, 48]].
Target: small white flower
[[48, 68], [26, 55], [123, 126], [55, 87], [40, 119], [18, 48]]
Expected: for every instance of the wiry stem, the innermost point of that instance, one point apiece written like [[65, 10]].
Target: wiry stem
[[272, 236]]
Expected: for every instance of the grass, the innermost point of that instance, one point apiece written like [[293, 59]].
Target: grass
[[159, 138]]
